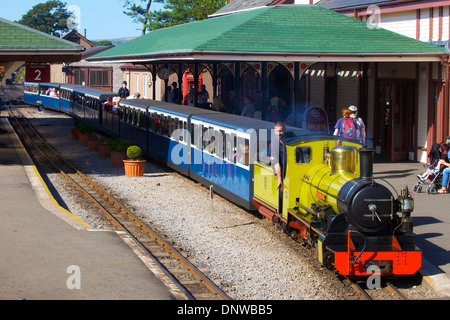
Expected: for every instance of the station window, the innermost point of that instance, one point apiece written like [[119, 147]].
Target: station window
[[99, 78], [303, 154]]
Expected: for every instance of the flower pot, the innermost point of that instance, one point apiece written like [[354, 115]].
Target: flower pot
[[103, 151], [134, 168], [93, 143], [83, 138], [117, 158], [74, 133]]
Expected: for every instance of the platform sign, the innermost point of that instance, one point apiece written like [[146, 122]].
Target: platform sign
[[37, 73]]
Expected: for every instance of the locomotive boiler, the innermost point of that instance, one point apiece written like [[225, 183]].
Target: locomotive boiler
[[331, 201]]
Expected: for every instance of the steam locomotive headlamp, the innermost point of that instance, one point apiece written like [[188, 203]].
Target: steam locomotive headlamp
[[406, 203]]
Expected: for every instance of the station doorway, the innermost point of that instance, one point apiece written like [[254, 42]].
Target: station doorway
[[395, 119]]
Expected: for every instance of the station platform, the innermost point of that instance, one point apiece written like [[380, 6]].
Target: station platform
[[47, 254], [431, 221]]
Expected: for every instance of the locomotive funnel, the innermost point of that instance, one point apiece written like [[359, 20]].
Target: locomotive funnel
[[366, 162]]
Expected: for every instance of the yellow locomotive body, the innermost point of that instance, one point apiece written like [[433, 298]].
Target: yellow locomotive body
[[330, 200], [308, 177]]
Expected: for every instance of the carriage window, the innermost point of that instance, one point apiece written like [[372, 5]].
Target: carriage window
[[208, 139], [134, 117], [171, 127], [303, 154], [242, 153], [220, 144], [156, 123], [193, 131], [162, 125], [139, 118], [230, 147]]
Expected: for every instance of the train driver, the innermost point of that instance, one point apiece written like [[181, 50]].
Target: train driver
[[278, 153]]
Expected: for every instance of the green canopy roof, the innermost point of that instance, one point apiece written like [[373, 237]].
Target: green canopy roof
[[294, 32], [19, 42]]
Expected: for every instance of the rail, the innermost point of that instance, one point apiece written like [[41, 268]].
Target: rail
[[120, 216]]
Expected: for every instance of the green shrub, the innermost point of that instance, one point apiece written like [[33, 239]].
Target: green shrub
[[134, 152], [120, 145], [85, 127], [77, 123], [103, 139]]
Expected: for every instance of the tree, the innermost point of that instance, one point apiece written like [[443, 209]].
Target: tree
[[104, 43], [50, 17], [138, 12], [175, 12]]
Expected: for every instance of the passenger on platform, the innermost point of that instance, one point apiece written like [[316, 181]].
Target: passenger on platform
[[190, 98], [218, 105], [346, 126], [203, 97], [283, 111], [175, 94], [124, 92], [361, 133], [249, 108], [231, 102], [273, 109], [169, 89]]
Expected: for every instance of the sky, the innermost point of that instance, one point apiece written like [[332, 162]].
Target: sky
[[102, 19]]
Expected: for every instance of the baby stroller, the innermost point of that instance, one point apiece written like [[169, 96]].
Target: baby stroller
[[434, 176]]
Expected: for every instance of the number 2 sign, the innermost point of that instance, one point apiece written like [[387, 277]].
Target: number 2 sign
[[37, 73]]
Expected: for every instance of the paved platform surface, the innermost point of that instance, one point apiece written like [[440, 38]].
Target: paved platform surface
[[47, 254], [431, 221]]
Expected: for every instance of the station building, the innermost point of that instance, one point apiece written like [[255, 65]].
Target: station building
[[306, 56], [20, 44]]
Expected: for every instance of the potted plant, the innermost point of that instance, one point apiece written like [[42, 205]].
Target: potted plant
[[74, 131], [118, 150], [84, 129], [134, 167], [92, 141], [102, 147]]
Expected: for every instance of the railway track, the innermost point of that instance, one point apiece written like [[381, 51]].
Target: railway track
[[386, 291], [191, 281]]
